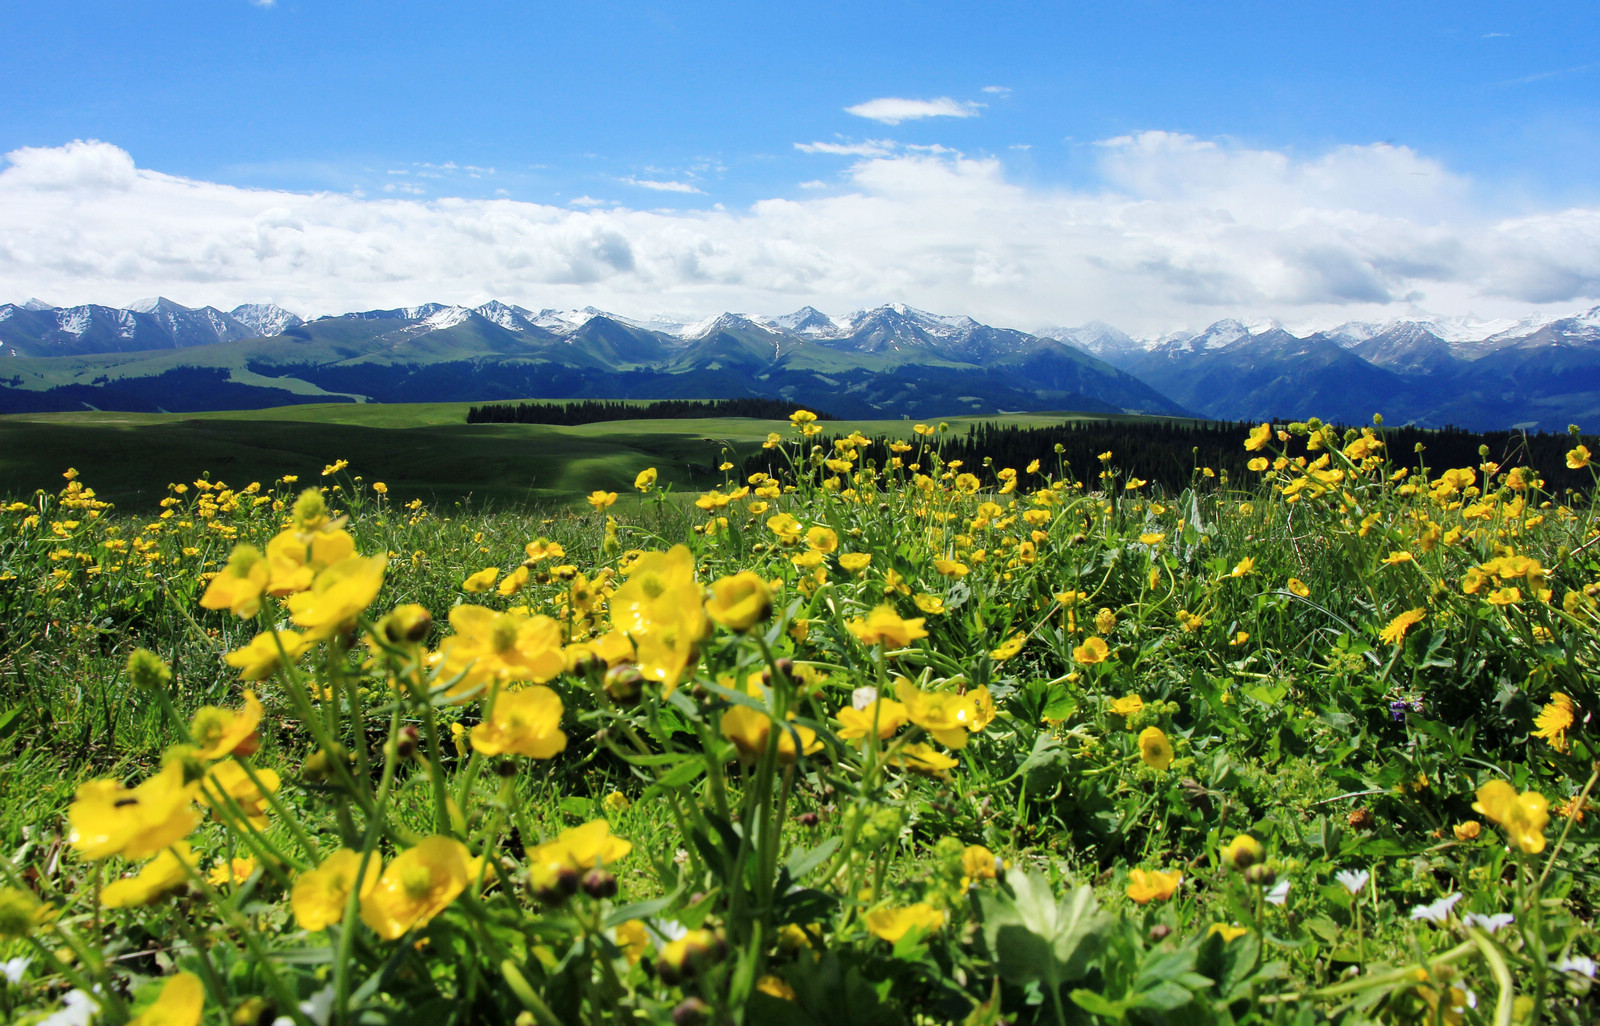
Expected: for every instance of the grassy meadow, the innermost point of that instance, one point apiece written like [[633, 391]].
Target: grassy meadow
[[870, 740]]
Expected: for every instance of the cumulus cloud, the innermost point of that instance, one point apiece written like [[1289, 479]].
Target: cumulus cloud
[[869, 148], [891, 110], [1177, 232]]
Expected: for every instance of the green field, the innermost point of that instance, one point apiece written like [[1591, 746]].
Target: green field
[[421, 450]]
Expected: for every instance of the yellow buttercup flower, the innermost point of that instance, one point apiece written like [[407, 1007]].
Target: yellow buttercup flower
[[1577, 458], [419, 884], [231, 873], [922, 757], [776, 987], [1127, 705], [106, 818], [319, 895], [1467, 830], [750, 730], [739, 602], [229, 780], [524, 722], [1243, 567], [884, 625], [979, 863], [646, 479], [580, 848], [1147, 885], [1298, 588], [222, 732], [1259, 437], [1154, 748], [944, 714], [181, 1003], [162, 875], [1093, 650], [855, 562], [488, 646], [1008, 648], [265, 654], [1243, 852], [1522, 816], [1227, 931], [601, 499], [884, 716], [241, 584], [481, 581], [822, 539], [891, 924], [337, 595]]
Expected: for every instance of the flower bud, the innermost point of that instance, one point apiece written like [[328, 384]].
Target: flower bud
[[405, 743], [597, 883], [808, 819], [1243, 852], [1160, 932], [624, 685], [407, 624], [691, 1012], [147, 671], [1260, 875]]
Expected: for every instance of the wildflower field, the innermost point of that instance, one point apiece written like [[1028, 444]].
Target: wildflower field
[[870, 737]]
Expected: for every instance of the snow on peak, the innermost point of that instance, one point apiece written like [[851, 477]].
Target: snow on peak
[[265, 318], [74, 321], [497, 312], [145, 306], [446, 317], [36, 304]]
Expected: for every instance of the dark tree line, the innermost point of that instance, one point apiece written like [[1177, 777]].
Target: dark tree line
[[1169, 453], [592, 411]]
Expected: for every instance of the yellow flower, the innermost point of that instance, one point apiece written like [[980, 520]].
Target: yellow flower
[[1259, 437], [505, 647], [337, 595], [419, 884], [1298, 587], [776, 987], [600, 499], [1553, 721], [1152, 538], [1226, 931], [933, 605], [108, 819], [855, 562], [633, 939], [229, 780], [1008, 648], [944, 714], [1467, 830], [884, 716], [740, 602], [1127, 705], [481, 581], [319, 895], [580, 848], [514, 582], [1396, 558], [923, 758], [221, 732], [263, 657], [1244, 566], [180, 1003], [891, 924], [1396, 631], [231, 873], [1154, 748], [1522, 816], [979, 863], [950, 567], [524, 722], [1093, 650], [163, 874], [884, 625], [1578, 458], [750, 730], [241, 583], [822, 539], [1243, 852], [1258, 464], [1147, 885], [646, 479]]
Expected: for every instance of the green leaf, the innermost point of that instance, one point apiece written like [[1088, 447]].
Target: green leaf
[[1035, 939]]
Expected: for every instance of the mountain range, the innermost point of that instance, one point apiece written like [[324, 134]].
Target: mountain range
[[890, 361]]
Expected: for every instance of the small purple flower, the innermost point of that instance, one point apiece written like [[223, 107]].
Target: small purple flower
[[1398, 711]]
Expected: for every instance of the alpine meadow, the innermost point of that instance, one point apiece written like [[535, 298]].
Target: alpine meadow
[[1150, 578]]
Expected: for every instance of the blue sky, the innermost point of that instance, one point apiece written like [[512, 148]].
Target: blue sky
[[700, 108]]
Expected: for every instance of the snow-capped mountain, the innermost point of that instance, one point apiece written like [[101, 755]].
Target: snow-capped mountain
[[265, 319]]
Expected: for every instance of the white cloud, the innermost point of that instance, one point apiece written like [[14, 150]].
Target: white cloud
[[997, 90], [586, 201], [659, 185], [891, 110], [868, 148], [1178, 232]]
